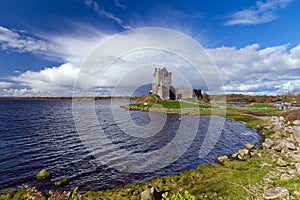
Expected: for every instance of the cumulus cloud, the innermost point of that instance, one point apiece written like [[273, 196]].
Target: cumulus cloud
[[254, 70], [262, 12], [19, 42], [54, 81], [4, 85], [249, 70]]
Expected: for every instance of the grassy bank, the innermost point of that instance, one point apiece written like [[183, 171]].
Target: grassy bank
[[234, 180], [251, 114]]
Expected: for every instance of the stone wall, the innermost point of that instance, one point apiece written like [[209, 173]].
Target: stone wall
[[161, 82], [184, 93]]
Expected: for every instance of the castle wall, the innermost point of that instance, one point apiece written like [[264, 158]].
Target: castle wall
[[161, 82], [184, 93], [162, 85]]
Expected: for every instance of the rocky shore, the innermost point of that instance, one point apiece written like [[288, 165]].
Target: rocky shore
[[281, 143]]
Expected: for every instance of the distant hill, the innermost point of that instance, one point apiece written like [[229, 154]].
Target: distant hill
[[142, 90]]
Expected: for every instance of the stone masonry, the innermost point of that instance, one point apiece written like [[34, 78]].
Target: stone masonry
[[162, 86]]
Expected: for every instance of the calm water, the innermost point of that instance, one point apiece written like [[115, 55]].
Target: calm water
[[42, 134]]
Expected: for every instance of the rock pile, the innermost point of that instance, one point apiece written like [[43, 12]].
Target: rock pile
[[246, 152], [282, 140]]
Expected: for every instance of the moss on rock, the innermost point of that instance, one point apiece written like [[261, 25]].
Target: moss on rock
[[62, 182], [43, 174]]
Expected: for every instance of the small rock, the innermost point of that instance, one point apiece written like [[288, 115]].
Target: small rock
[[262, 165], [43, 174], [279, 146], [223, 159], [234, 156], [281, 118], [268, 144], [281, 163], [296, 122], [296, 132], [285, 150], [243, 154], [253, 154], [248, 146], [292, 172], [62, 182], [288, 144], [285, 177], [259, 155], [148, 194], [275, 193], [297, 165], [295, 157], [284, 143]]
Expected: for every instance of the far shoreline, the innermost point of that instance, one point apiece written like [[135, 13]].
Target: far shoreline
[[72, 98]]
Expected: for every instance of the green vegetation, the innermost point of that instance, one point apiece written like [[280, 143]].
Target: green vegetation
[[250, 114], [183, 195], [31, 193], [231, 181], [292, 184]]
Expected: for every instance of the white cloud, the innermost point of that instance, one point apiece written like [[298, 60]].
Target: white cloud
[[118, 4], [289, 86], [54, 81], [19, 42], [262, 12], [254, 70], [249, 70], [103, 13], [74, 49], [4, 85], [24, 92]]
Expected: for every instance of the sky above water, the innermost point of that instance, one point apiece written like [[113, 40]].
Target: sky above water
[[43, 44]]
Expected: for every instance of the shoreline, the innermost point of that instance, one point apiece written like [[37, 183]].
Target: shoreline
[[231, 181]]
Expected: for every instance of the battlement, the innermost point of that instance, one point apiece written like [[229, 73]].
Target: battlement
[[162, 86]]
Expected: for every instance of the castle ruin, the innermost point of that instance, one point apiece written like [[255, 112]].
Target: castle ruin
[[162, 86]]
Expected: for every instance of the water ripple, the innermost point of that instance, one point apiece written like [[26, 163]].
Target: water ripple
[[42, 134]]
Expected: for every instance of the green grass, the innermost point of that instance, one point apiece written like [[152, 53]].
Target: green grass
[[291, 185], [182, 105], [260, 105], [230, 181]]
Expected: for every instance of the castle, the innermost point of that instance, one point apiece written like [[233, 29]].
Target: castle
[[162, 86]]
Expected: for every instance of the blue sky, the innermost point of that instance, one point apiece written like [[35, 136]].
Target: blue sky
[[255, 44]]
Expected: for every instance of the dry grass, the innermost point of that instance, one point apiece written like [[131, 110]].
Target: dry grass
[[291, 115]]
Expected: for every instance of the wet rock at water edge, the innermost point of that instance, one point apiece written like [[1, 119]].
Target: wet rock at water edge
[[248, 146], [43, 175], [243, 154], [275, 193], [62, 182], [223, 159]]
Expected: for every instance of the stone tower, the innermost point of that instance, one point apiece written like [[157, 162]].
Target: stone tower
[[162, 80]]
